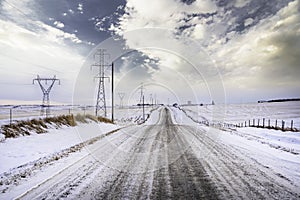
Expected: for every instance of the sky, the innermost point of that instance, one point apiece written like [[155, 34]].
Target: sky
[[229, 51]]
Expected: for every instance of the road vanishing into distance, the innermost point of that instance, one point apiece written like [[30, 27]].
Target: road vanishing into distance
[[164, 160]]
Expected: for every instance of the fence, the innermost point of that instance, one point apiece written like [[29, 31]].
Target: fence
[[12, 114], [257, 123], [277, 124]]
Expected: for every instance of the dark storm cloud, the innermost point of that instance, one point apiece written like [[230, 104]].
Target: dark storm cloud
[[77, 16], [285, 62], [257, 10]]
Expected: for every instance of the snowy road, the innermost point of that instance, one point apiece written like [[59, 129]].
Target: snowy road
[[164, 160]]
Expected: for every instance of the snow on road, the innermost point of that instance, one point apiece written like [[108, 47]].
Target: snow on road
[[162, 159]]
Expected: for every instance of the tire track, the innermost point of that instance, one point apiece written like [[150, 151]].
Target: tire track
[[235, 176]]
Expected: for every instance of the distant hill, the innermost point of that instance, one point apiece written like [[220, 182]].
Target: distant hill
[[278, 100]]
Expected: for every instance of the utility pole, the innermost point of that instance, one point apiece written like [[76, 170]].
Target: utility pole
[[99, 57], [112, 92], [46, 91], [121, 96], [143, 108], [151, 100]]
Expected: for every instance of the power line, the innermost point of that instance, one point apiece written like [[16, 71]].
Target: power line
[[46, 91], [19, 10], [121, 96], [34, 64], [99, 57]]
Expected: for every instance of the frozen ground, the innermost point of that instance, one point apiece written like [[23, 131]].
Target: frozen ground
[[275, 149], [169, 156], [239, 113], [125, 115]]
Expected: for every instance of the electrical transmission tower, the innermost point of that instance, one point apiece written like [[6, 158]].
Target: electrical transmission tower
[[99, 57], [46, 91], [121, 96], [141, 93]]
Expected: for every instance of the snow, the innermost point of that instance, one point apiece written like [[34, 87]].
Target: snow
[[125, 115], [274, 149], [271, 150], [15, 152], [239, 113]]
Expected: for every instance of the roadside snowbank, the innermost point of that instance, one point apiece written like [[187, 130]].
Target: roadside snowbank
[[15, 152]]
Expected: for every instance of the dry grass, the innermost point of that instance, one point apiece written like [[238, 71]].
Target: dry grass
[[22, 128], [81, 118], [105, 120], [93, 118]]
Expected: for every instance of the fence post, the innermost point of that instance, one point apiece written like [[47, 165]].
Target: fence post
[[253, 122], [276, 124], [249, 124], [292, 123], [258, 122], [263, 122], [10, 116], [269, 123], [282, 125]]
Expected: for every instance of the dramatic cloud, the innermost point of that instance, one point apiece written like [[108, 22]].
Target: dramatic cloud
[[33, 47], [254, 44], [197, 50]]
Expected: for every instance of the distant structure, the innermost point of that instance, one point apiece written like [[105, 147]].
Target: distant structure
[[189, 103], [278, 100], [212, 102], [141, 93], [151, 99], [45, 109], [121, 96], [100, 63]]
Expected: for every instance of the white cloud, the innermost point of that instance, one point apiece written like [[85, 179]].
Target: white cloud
[[71, 11], [245, 60], [198, 32], [32, 47], [241, 3], [159, 14], [59, 24], [80, 7], [201, 6], [248, 21], [270, 48]]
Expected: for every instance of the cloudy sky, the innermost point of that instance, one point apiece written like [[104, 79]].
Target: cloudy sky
[[200, 50]]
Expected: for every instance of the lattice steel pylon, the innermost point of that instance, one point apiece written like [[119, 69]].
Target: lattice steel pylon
[[99, 57], [141, 93], [121, 96], [45, 109]]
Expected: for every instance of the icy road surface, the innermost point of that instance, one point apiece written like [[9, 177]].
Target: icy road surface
[[163, 159]]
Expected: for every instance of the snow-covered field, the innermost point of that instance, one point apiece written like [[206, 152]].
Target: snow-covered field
[[239, 113], [18, 151], [23, 112]]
